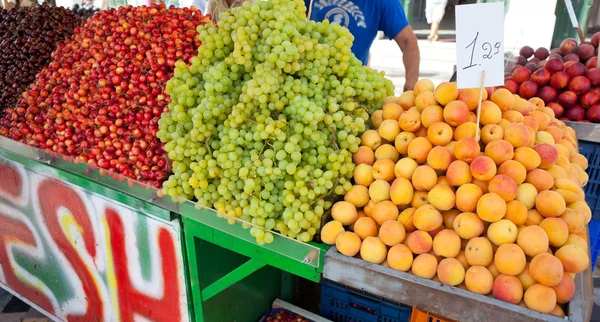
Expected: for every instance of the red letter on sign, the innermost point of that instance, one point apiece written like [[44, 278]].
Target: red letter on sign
[[131, 301]]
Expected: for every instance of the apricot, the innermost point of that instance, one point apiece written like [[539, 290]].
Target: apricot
[[377, 118], [458, 173], [379, 190], [540, 179], [548, 155], [384, 211], [400, 257], [446, 92], [582, 208], [516, 212], [517, 135], [479, 251], [574, 258], [392, 232], [344, 212], [493, 270], [425, 99], [565, 289], [492, 132], [449, 216], [420, 198], [533, 240], [465, 130], [331, 231], [364, 155], [371, 139], [363, 175], [503, 98], [387, 151], [409, 121], [527, 194], [540, 298], [514, 169], [558, 311], [368, 209], [439, 158], [425, 266], [450, 271], [419, 242], [419, 148], [542, 118], [557, 231], [467, 196], [423, 85], [490, 113], [508, 288], [373, 250], [500, 151], [531, 122], [502, 232], [401, 191], [504, 186], [468, 225], [427, 218], [510, 259], [424, 178], [431, 114], [358, 196], [557, 172], [527, 157], [446, 243], [456, 113], [525, 277], [491, 207], [407, 100], [366, 227], [466, 149], [348, 243], [479, 280], [402, 142], [392, 111], [534, 218], [577, 240], [483, 168], [406, 219], [442, 197], [550, 203], [383, 169]]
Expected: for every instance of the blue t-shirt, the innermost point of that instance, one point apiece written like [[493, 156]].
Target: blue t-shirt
[[364, 18]]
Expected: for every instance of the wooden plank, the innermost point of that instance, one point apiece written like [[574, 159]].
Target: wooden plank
[[586, 131]]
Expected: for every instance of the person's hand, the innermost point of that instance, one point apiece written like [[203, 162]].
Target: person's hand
[[409, 85]]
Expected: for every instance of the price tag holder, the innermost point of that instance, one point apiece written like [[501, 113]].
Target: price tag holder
[[480, 44]]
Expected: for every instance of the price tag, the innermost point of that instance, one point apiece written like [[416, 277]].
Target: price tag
[[571, 12], [480, 44]]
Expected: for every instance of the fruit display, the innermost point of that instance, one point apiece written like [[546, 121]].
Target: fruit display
[[84, 12], [566, 78], [263, 123], [503, 216], [283, 315], [101, 97], [28, 36]]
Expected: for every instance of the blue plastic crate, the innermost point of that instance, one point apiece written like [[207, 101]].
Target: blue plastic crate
[[594, 227], [342, 304], [591, 151]]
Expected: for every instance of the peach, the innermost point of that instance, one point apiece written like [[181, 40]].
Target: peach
[[377, 118], [483, 168], [348, 243], [465, 130], [458, 173], [513, 116], [384, 211], [540, 179], [540, 298], [424, 85], [527, 157], [384, 169], [527, 194], [491, 207], [479, 251], [500, 151], [491, 132], [365, 227], [533, 240], [363, 175], [364, 155], [510, 259], [449, 216], [439, 158], [331, 231], [379, 190], [557, 231], [371, 139], [548, 155], [468, 225], [502, 232], [550, 204], [420, 198], [442, 197], [358, 196], [344, 212], [392, 111], [456, 113], [546, 269], [516, 212], [446, 243], [513, 169], [409, 121], [516, 134], [508, 288], [373, 250], [400, 257], [450, 271], [504, 186], [439, 133], [525, 277], [419, 242], [446, 92], [425, 266], [565, 289], [466, 149], [534, 218], [574, 258], [405, 168], [503, 98], [490, 113], [425, 99], [402, 142], [419, 148], [431, 114], [406, 100], [392, 232], [387, 151], [467, 196], [478, 279], [406, 219], [427, 218], [574, 220]]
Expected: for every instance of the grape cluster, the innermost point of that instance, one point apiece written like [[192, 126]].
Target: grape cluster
[[263, 124]]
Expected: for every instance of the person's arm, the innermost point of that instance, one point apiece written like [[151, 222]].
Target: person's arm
[[407, 41]]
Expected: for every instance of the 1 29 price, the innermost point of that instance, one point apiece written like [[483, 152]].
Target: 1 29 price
[[489, 51]]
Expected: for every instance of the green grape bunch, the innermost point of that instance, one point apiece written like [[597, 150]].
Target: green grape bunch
[[263, 123]]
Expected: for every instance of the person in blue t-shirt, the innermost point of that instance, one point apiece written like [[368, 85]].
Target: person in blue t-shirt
[[364, 18]]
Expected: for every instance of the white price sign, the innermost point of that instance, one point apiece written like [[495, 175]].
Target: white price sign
[[480, 44]]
